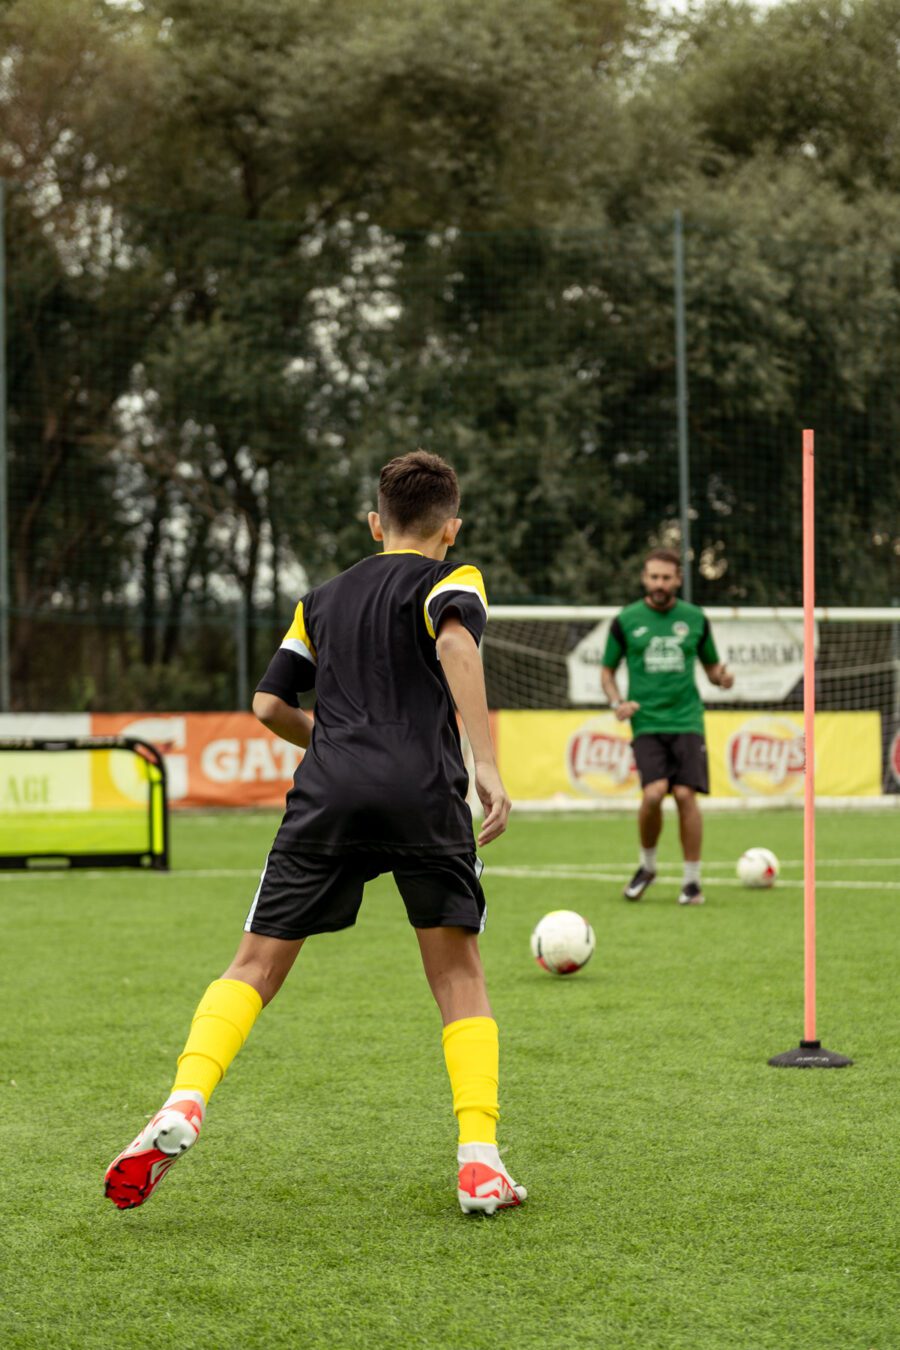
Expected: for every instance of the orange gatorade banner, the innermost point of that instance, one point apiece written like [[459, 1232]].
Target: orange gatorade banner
[[212, 759], [554, 756]]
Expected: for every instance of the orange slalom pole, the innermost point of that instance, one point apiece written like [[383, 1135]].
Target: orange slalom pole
[[810, 1054], [809, 731]]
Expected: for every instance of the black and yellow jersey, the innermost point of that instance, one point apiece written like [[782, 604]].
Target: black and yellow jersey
[[384, 770]]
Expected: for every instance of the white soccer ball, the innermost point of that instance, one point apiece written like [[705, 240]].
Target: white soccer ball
[[562, 942], [758, 868]]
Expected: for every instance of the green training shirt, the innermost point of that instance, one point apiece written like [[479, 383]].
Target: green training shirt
[[660, 649]]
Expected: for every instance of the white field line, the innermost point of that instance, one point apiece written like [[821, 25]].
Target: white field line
[[708, 864], [561, 872]]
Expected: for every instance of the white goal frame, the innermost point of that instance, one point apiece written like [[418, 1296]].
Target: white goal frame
[[593, 614]]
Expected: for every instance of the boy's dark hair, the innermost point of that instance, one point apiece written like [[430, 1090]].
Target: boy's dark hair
[[417, 492], [663, 555]]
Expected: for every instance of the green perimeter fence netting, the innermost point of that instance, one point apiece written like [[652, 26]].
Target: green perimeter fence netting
[[190, 448]]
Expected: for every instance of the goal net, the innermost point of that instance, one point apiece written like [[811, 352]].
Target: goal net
[[560, 744], [95, 801]]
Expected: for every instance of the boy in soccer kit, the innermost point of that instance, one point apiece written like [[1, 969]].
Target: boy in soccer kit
[[389, 646], [661, 638]]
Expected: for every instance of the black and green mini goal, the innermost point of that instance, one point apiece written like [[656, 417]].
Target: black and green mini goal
[[88, 801]]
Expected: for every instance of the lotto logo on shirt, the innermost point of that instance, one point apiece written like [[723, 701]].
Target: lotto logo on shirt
[[599, 758], [767, 755]]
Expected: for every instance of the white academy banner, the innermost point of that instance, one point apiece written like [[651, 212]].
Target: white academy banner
[[764, 655], [584, 662]]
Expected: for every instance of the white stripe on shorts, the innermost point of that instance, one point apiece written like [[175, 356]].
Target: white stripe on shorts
[[262, 877], [479, 868]]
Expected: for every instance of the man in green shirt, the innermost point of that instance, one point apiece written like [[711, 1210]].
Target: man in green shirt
[[661, 638]]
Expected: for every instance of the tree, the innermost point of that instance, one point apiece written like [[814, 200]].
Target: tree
[[788, 186], [255, 248], [80, 306]]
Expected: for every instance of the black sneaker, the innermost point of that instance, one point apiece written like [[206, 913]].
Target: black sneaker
[[691, 894], [639, 883]]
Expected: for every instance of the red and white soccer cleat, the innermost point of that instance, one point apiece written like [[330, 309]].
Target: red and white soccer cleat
[[482, 1189], [134, 1175]]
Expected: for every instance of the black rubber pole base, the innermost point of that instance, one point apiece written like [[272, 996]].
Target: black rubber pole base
[[810, 1055]]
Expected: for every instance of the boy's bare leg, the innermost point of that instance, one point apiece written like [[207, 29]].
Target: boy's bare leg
[[472, 1052], [221, 1024], [264, 963], [454, 972]]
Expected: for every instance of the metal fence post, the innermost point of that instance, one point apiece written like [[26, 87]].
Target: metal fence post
[[241, 662], [684, 485]]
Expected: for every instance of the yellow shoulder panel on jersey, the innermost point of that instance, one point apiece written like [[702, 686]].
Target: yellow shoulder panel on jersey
[[463, 579], [296, 639]]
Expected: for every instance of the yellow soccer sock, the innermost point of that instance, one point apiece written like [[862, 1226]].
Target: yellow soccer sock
[[222, 1022], [472, 1053]]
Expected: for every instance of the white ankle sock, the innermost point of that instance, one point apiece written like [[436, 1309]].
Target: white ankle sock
[[186, 1095], [648, 859], [691, 873], [480, 1153]]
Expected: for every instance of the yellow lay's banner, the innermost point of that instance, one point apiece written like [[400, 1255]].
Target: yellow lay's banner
[[762, 754], [547, 755]]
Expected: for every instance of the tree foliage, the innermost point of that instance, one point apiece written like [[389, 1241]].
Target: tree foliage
[[257, 246]]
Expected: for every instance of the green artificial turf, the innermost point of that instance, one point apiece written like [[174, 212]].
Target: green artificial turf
[[682, 1193]]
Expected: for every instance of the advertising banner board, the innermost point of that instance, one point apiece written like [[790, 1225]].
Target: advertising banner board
[[230, 759], [554, 755]]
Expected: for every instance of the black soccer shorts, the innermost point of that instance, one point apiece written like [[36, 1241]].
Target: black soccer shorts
[[300, 894], [681, 759]]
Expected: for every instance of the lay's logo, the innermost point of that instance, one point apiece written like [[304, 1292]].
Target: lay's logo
[[895, 758], [600, 760], [767, 755]]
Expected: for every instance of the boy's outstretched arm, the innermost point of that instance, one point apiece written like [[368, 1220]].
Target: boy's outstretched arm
[[461, 664], [291, 724]]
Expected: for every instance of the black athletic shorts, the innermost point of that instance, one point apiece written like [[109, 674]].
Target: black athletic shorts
[[681, 759], [304, 893]]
